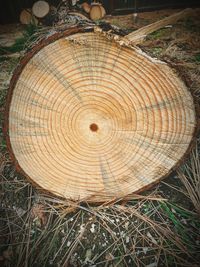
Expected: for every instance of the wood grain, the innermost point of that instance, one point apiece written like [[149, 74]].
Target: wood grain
[[92, 120]]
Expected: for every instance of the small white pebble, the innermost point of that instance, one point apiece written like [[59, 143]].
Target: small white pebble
[[82, 228], [126, 225], [92, 229], [145, 249], [69, 243]]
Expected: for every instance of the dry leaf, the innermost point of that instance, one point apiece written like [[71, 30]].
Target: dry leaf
[[109, 257], [37, 212]]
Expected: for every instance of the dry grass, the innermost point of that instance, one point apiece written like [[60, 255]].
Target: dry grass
[[189, 174], [59, 233]]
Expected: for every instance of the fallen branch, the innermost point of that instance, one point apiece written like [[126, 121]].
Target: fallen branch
[[139, 35]]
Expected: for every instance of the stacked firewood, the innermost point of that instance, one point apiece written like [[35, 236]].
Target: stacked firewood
[[43, 13], [95, 10]]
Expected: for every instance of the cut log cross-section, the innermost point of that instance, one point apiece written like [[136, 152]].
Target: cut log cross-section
[[91, 120], [97, 11], [26, 17], [40, 9]]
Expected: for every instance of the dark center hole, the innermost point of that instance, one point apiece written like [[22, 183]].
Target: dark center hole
[[93, 127]]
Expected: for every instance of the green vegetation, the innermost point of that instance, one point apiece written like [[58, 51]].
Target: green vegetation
[[20, 43], [197, 58], [158, 34], [181, 219]]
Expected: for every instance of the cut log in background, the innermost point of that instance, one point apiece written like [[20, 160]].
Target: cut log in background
[[97, 11], [26, 16], [40, 9], [88, 119], [86, 7]]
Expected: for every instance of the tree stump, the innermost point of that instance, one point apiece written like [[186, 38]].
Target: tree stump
[[88, 119]]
